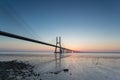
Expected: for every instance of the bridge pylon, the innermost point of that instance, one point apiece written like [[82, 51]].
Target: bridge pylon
[[58, 48]]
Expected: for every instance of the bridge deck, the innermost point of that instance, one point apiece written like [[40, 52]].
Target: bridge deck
[[29, 39]]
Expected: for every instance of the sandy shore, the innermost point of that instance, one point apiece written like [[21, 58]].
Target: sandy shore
[[70, 67], [18, 70], [12, 70]]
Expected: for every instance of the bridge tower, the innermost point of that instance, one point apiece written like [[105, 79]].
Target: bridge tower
[[58, 48]]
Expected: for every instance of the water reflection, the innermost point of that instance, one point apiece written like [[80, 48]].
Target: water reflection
[[57, 62], [78, 66]]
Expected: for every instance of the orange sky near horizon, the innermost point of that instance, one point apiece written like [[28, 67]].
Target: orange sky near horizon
[[20, 45]]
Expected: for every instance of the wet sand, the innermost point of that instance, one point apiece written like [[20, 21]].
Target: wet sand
[[70, 67]]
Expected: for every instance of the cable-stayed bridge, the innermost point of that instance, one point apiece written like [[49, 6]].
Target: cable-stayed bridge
[[57, 46], [12, 17]]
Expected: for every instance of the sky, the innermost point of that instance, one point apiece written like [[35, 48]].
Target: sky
[[84, 25]]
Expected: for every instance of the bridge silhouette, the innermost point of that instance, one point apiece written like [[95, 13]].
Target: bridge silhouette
[[58, 42]]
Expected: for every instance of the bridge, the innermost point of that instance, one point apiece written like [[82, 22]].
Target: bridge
[[8, 10], [58, 48]]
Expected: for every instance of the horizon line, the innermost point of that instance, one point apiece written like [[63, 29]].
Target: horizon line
[[73, 52]]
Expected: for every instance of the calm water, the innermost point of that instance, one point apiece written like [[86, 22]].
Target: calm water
[[83, 66]]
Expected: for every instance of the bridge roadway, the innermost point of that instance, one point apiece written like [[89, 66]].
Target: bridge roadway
[[2, 33]]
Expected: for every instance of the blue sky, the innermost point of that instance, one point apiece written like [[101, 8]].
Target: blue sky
[[86, 25]]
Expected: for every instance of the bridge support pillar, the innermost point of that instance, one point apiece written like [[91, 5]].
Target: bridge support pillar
[[58, 48]]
